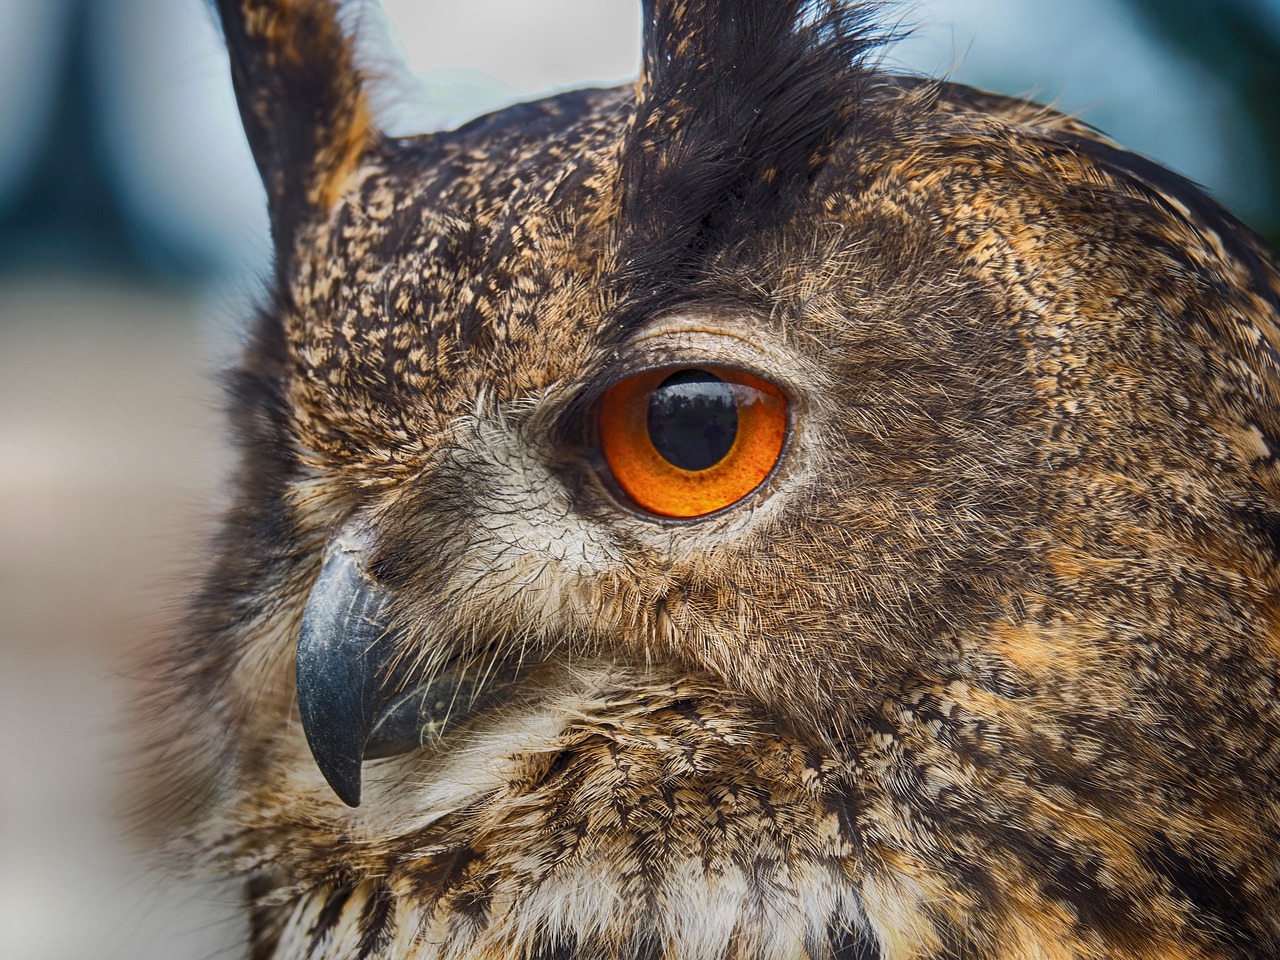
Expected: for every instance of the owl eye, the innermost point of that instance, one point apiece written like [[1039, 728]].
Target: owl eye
[[688, 442]]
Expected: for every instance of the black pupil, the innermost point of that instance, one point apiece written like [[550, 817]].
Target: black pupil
[[693, 419]]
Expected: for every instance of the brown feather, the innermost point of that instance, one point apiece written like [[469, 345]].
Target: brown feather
[[986, 668]]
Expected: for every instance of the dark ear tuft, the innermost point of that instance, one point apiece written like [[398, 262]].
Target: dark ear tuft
[[740, 102], [302, 102]]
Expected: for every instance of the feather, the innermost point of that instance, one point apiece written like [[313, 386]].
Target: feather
[[738, 107]]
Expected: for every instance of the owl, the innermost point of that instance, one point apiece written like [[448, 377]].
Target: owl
[[774, 510]]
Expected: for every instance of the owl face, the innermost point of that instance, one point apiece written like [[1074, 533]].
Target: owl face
[[779, 510]]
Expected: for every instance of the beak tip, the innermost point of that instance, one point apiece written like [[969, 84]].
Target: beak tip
[[346, 786], [339, 762]]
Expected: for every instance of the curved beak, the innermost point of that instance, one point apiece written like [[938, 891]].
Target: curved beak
[[345, 666], [359, 693]]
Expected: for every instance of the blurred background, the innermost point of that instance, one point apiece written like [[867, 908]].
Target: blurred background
[[133, 241]]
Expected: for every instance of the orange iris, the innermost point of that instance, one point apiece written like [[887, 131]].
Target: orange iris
[[688, 442]]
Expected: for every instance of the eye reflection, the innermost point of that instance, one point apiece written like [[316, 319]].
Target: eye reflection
[[693, 419]]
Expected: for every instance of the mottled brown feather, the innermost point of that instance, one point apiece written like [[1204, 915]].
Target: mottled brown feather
[[987, 668]]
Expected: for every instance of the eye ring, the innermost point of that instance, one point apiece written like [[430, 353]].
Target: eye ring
[[684, 442]]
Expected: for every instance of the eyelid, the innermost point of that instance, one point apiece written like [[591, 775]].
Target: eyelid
[[735, 337]]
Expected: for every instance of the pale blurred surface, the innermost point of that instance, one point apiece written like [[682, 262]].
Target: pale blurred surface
[[110, 459]]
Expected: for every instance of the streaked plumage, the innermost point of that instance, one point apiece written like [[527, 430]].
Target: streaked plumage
[[987, 666]]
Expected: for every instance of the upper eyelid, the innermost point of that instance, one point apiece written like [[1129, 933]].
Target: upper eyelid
[[588, 398], [684, 339], [692, 363], [729, 345]]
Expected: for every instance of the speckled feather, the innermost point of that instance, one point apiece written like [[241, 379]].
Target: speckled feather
[[987, 668]]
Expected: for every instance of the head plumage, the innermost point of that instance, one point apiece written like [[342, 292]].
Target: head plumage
[[739, 105]]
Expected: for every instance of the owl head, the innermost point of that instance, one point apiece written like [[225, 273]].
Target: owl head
[[776, 509]]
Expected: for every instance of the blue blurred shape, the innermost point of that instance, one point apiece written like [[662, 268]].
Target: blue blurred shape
[[63, 207]]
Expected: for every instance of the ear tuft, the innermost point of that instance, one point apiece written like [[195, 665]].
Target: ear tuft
[[739, 105], [302, 101]]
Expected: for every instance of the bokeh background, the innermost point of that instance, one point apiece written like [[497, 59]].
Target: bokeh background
[[133, 240]]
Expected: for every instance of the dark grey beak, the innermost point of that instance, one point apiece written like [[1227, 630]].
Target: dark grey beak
[[357, 693], [345, 660]]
